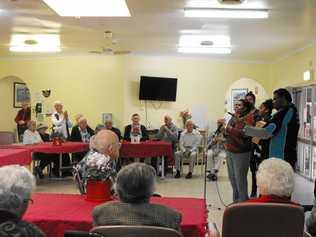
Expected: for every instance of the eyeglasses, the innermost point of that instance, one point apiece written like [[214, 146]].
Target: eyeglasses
[[118, 144], [28, 200]]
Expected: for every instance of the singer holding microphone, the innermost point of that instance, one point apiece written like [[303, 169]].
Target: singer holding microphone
[[238, 148]]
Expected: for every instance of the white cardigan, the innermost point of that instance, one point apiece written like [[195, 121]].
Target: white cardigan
[[30, 137]]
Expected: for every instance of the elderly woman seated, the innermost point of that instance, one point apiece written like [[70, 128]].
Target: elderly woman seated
[[135, 185], [275, 181], [16, 186]]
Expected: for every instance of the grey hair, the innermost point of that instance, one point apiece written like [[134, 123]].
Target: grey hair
[[98, 128], [135, 183], [81, 119], [275, 177], [16, 185], [189, 121], [57, 102], [29, 123]]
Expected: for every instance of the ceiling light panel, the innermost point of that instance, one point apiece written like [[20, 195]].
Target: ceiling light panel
[[89, 8], [215, 4], [204, 50], [44, 43], [226, 13]]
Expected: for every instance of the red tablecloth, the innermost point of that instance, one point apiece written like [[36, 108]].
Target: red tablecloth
[[47, 147], [55, 213], [11, 156], [147, 149]]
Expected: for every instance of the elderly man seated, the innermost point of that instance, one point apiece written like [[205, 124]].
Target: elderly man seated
[[81, 133], [275, 181], [16, 187], [109, 126], [188, 145], [169, 131], [134, 186]]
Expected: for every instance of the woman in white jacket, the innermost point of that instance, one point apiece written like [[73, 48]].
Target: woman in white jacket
[[60, 120]]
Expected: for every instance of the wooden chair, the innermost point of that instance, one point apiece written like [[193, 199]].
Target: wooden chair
[[135, 231], [262, 220]]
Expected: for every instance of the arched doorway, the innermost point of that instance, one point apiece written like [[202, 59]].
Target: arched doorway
[[13, 91], [240, 87]]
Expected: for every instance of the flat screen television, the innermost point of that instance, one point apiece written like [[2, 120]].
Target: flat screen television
[[158, 88]]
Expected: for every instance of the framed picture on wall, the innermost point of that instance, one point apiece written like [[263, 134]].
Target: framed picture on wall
[[238, 94], [106, 117], [20, 94]]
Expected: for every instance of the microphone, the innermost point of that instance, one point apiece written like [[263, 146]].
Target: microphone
[[218, 130]]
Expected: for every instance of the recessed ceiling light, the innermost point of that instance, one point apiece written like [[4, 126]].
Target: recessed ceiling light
[[205, 50], [89, 8], [226, 13], [35, 43], [197, 40]]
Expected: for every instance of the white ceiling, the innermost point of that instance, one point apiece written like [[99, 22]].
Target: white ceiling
[[155, 27]]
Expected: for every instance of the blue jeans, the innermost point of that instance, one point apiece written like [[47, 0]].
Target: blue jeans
[[237, 166]]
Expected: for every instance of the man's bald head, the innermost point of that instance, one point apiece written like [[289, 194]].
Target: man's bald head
[[107, 142]]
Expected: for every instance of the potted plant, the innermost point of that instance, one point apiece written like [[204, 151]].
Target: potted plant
[[185, 115], [57, 139], [95, 175]]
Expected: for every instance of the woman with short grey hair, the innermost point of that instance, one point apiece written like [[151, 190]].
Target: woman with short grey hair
[[135, 184], [275, 181], [142, 187], [31, 135], [16, 187]]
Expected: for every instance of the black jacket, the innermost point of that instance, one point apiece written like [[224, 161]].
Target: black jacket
[[11, 225], [127, 133], [75, 133], [117, 132]]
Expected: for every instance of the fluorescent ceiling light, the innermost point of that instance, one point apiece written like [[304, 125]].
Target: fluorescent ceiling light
[[205, 50], [89, 8], [196, 40], [39, 43], [226, 13]]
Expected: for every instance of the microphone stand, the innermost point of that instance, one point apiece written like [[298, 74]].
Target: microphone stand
[[205, 149]]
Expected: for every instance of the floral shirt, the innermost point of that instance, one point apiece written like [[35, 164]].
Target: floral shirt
[[96, 166]]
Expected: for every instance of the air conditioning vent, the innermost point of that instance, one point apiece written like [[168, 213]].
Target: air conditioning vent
[[231, 1]]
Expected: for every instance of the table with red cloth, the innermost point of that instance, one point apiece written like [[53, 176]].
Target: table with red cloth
[[56, 213], [64, 148], [148, 149], [49, 148], [12, 156]]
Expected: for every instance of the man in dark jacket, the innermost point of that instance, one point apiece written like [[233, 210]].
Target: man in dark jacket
[[81, 133], [109, 126], [135, 129]]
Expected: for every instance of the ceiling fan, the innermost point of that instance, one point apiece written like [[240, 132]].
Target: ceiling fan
[[109, 51], [111, 46]]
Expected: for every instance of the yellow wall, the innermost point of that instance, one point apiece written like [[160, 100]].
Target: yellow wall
[[289, 71], [95, 84], [89, 85], [252, 85], [201, 82], [7, 112]]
